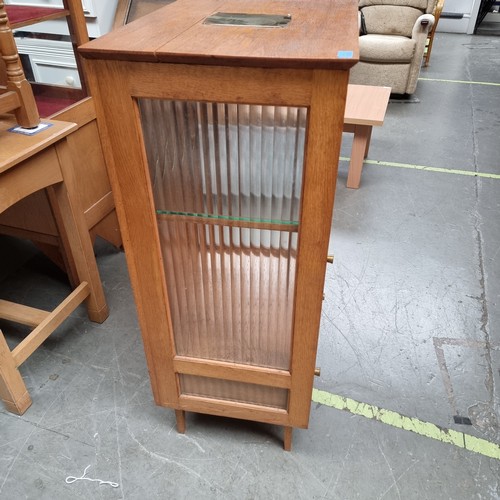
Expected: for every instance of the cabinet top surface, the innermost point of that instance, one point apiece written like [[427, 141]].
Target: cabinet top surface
[[321, 34]]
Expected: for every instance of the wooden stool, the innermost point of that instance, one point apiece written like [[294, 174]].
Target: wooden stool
[[29, 164]]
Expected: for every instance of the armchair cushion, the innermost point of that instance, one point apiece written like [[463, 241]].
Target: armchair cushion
[[386, 48]]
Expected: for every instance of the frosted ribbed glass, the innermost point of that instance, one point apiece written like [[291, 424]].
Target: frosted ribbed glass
[[227, 182], [234, 391]]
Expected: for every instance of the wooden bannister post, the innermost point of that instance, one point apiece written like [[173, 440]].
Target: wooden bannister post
[[24, 107]]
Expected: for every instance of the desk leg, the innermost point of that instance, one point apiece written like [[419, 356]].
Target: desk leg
[[13, 391], [360, 145], [76, 238]]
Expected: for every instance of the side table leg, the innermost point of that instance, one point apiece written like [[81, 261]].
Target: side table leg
[[13, 391], [368, 139], [359, 146]]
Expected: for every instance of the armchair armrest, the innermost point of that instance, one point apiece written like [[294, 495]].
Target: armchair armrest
[[422, 26]]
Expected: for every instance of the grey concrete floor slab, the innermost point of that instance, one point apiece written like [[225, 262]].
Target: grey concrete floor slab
[[410, 323]]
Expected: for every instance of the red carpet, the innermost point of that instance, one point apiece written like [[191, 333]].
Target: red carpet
[[19, 15], [47, 106]]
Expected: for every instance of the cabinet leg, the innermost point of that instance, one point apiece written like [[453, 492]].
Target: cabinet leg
[[180, 418], [287, 440]]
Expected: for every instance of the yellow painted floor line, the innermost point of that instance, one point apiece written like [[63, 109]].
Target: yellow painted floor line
[[494, 84], [469, 173], [394, 419]]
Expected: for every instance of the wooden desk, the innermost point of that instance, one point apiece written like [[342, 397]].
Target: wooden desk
[[29, 164], [365, 108]]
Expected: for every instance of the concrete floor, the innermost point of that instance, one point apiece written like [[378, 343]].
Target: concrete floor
[[410, 323]]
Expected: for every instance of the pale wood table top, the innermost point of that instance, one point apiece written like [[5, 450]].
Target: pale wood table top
[[366, 105]]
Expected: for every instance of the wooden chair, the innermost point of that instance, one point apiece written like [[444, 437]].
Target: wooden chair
[[30, 164], [430, 38], [16, 95], [21, 16]]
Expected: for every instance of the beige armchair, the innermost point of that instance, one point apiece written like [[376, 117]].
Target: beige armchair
[[392, 40]]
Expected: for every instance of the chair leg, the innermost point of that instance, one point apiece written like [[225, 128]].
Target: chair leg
[[368, 139], [13, 391], [427, 55]]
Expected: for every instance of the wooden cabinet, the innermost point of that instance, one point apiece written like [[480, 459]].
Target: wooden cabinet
[[222, 142]]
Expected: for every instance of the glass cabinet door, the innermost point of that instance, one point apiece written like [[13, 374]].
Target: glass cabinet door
[[227, 182]]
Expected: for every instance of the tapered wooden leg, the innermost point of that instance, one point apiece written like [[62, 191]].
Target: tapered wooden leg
[[368, 139], [359, 144], [13, 391], [287, 440], [180, 418]]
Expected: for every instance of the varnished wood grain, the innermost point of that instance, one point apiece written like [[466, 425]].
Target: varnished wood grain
[[319, 36], [17, 147], [311, 40], [29, 177], [277, 87], [35, 339], [24, 107], [236, 66], [32, 217], [140, 40], [125, 156], [233, 409], [21, 314], [27, 165], [323, 147], [13, 391], [287, 438], [232, 371]]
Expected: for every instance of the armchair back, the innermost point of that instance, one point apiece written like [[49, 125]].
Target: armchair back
[[393, 17]]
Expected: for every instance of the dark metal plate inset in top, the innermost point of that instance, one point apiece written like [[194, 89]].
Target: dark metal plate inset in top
[[258, 20]]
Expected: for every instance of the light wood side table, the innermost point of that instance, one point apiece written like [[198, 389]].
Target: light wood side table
[[365, 108]]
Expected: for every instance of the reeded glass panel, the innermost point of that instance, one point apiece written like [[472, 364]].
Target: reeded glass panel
[[234, 391], [227, 183]]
